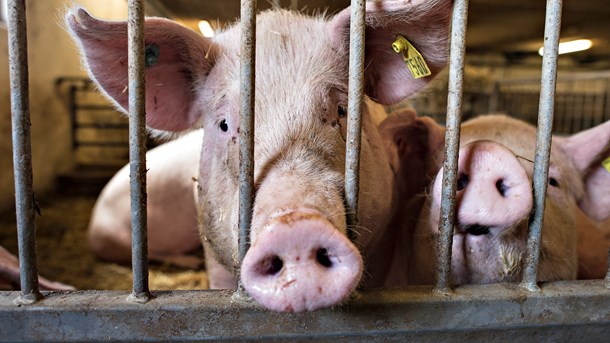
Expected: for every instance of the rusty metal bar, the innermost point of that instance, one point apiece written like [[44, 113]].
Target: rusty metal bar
[[562, 312], [137, 151], [543, 140], [354, 110], [452, 145], [25, 202], [246, 124]]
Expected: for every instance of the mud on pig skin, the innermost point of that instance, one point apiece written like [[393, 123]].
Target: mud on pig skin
[[494, 202], [172, 213], [300, 258]]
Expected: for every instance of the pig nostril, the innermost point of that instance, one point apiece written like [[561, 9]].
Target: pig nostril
[[462, 181], [323, 259], [477, 230], [272, 265], [501, 187]]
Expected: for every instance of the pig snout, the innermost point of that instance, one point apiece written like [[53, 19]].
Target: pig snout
[[301, 262], [493, 189]]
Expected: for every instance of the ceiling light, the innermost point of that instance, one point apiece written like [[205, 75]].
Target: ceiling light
[[206, 29], [571, 46]]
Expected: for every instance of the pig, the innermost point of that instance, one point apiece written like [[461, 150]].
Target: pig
[[300, 257], [172, 214], [9, 275], [494, 201]]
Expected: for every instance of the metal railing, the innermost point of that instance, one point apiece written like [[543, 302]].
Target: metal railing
[[556, 311]]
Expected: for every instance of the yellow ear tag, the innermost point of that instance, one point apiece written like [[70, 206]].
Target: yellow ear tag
[[606, 164], [413, 59]]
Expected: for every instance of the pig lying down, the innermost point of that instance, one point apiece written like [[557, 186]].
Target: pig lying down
[[9, 275], [300, 258], [172, 214], [494, 202]]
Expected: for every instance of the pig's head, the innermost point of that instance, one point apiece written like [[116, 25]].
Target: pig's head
[[494, 202], [300, 258]]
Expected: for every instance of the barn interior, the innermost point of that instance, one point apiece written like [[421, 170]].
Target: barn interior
[[79, 141]]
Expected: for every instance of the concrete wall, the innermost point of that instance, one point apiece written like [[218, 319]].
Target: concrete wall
[[51, 54]]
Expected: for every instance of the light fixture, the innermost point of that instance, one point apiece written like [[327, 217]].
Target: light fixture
[[206, 29], [571, 46]]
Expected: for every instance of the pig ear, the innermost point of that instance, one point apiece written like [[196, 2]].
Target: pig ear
[[414, 146], [424, 23], [176, 60], [587, 150]]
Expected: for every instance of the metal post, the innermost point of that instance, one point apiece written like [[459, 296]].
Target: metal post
[[543, 141], [608, 273], [25, 202], [73, 116], [246, 125], [452, 144], [354, 109], [137, 151]]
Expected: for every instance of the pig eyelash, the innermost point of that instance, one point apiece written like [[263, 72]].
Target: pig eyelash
[[523, 158], [342, 111]]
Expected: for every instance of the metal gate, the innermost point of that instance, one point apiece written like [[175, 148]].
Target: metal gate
[[582, 100], [556, 311]]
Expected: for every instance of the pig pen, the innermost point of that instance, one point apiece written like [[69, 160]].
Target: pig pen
[[64, 254], [557, 311]]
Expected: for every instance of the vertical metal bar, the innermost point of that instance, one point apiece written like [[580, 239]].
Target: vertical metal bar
[[494, 98], [22, 152], [354, 110], [452, 143], [608, 273], [607, 102], [598, 103], [543, 140], [73, 117], [246, 124], [137, 151]]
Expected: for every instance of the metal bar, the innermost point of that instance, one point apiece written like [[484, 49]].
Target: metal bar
[[562, 312], [543, 141], [102, 144], [354, 110], [137, 151], [25, 202], [96, 108], [563, 78], [607, 102], [452, 143], [608, 273], [103, 126], [246, 125], [73, 110]]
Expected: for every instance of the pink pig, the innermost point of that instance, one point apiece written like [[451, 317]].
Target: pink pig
[[9, 274], [494, 201], [172, 214], [300, 258]]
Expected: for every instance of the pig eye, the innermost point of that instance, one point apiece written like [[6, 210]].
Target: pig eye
[[553, 182], [342, 110], [224, 126]]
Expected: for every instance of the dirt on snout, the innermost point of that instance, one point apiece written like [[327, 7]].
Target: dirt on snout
[[64, 255]]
